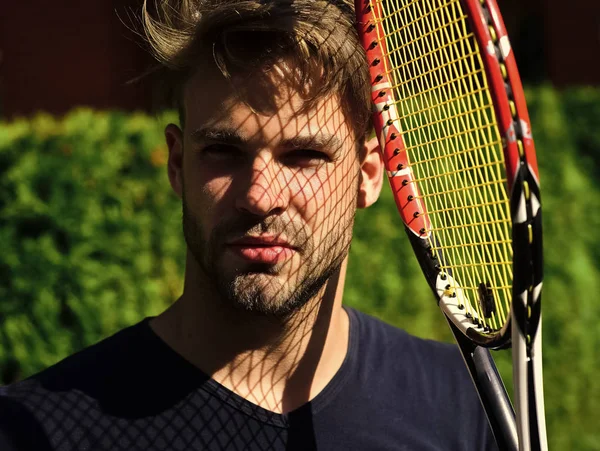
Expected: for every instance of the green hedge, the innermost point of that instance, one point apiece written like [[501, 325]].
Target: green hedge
[[90, 233], [91, 241]]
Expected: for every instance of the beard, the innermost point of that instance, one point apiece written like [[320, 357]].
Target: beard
[[279, 289]]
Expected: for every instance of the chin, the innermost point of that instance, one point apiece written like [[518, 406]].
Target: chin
[[269, 290], [262, 294]]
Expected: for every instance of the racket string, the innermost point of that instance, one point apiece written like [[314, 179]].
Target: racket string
[[394, 11], [417, 146], [439, 87], [450, 133], [449, 118], [461, 171], [456, 246], [431, 212], [475, 224], [441, 157], [424, 36], [430, 53]]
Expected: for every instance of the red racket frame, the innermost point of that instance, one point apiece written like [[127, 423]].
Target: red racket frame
[[522, 180]]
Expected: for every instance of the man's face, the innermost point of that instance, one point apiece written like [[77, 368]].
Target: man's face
[[269, 191]]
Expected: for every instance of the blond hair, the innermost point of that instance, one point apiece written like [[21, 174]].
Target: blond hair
[[317, 37]]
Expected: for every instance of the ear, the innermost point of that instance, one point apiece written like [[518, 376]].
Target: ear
[[174, 138], [371, 174]]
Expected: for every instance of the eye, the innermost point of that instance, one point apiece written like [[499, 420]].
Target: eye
[[222, 152], [306, 157]]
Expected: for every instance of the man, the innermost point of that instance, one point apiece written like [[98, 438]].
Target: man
[[258, 353]]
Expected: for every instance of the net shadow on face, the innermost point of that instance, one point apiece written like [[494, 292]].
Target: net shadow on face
[[268, 165], [285, 174]]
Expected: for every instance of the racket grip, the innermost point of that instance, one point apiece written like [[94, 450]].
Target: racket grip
[[491, 391], [499, 410]]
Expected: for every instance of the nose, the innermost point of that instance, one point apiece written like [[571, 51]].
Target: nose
[[263, 193]]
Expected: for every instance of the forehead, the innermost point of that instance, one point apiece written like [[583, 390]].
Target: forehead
[[263, 108]]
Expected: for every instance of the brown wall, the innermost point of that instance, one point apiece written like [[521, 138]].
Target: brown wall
[[54, 58], [574, 39]]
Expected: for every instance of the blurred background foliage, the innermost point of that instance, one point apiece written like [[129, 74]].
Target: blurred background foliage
[[91, 242]]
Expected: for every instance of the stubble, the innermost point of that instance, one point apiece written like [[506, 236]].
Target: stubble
[[277, 290]]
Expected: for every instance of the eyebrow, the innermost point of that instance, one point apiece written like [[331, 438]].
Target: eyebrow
[[223, 135], [233, 137]]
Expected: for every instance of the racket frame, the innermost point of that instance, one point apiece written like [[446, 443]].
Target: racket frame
[[524, 325], [523, 186]]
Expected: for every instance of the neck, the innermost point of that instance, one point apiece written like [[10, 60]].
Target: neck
[[278, 364]]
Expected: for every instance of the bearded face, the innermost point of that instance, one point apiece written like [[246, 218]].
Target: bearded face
[[286, 279], [269, 194]]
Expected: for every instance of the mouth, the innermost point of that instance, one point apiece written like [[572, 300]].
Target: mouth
[[269, 249]]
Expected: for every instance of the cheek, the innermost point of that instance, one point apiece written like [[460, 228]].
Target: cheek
[[206, 196], [327, 196]]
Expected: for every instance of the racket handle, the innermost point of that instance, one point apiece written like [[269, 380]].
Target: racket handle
[[500, 410], [491, 391]]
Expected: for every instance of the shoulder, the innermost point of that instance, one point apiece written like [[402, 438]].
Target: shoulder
[[433, 368], [94, 380], [19, 429], [423, 384], [377, 335], [103, 361], [99, 373]]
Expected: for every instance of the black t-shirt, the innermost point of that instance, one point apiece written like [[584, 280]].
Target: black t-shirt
[[133, 392]]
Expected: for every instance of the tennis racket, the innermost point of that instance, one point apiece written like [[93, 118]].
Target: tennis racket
[[452, 123]]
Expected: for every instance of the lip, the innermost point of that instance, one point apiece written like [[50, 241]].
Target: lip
[[261, 240], [266, 249]]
